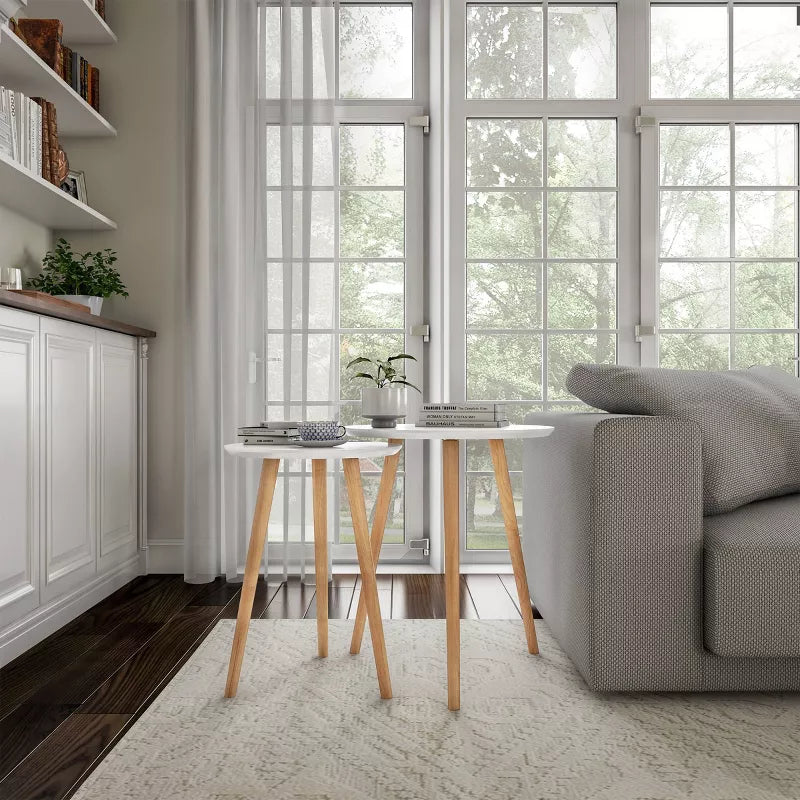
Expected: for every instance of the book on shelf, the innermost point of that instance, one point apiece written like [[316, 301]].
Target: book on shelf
[[43, 36], [22, 129], [100, 8]]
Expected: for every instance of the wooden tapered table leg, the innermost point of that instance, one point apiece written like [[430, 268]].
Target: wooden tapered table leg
[[505, 493], [382, 505], [255, 550], [451, 501], [369, 585], [319, 482]]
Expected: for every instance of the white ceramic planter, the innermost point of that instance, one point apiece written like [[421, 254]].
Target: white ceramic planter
[[384, 406], [94, 303]]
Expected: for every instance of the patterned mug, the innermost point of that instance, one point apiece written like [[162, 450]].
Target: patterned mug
[[321, 431]]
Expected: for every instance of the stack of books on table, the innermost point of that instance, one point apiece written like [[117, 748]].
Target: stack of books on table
[[463, 415], [279, 432]]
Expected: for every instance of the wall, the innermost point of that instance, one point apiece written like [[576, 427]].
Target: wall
[[22, 242], [135, 179]]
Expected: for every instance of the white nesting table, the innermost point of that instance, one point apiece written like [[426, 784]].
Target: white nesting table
[[451, 501], [349, 454]]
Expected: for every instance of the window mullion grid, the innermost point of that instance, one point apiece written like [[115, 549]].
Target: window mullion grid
[[545, 263], [730, 54], [336, 133], [545, 51]]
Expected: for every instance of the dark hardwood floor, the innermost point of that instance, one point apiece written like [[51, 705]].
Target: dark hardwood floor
[[66, 701]]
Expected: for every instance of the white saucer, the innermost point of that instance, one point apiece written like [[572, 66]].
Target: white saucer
[[321, 443]]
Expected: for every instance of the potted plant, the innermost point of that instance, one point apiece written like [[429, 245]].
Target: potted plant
[[86, 279], [386, 401]]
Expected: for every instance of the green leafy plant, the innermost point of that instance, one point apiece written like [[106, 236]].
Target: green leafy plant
[[65, 272], [385, 372]]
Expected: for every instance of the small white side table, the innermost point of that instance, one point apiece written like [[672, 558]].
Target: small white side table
[[451, 501], [349, 454]]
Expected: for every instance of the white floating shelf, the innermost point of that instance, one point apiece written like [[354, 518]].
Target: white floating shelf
[[82, 24], [39, 200], [21, 69]]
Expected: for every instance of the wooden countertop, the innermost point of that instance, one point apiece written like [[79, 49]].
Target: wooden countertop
[[37, 306]]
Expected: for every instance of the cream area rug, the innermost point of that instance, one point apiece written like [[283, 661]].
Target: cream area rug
[[304, 727]]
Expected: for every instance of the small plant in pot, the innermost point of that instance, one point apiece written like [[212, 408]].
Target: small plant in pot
[[86, 279], [386, 401]]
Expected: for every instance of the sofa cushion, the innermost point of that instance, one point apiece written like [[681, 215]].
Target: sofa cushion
[[752, 580], [749, 422]]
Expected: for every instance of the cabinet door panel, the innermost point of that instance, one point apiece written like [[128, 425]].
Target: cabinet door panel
[[19, 427], [117, 449], [70, 455]]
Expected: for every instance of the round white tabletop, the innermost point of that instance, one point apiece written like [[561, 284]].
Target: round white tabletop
[[419, 432], [335, 453]]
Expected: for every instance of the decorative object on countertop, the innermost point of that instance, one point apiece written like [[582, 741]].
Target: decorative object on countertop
[[10, 278], [86, 279], [387, 401]]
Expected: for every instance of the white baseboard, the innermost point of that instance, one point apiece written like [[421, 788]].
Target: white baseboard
[[39, 624], [165, 557]]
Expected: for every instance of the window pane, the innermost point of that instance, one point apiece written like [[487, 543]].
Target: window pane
[[766, 295], [504, 295], [485, 527], [375, 51], [504, 366], [564, 350], [321, 295], [694, 350], [320, 30], [688, 51], [371, 295], [371, 155], [695, 224], [766, 52], [581, 296], [766, 155], [504, 152], [582, 51], [582, 152], [765, 224], [764, 349], [504, 224], [320, 242], [319, 141], [581, 225], [370, 345], [395, 526], [372, 224], [695, 295], [695, 155], [504, 51]]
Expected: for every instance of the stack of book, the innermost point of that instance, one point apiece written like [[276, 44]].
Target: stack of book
[[463, 415], [43, 36], [29, 133], [279, 432]]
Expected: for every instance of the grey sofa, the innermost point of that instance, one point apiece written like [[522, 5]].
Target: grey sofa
[[641, 590]]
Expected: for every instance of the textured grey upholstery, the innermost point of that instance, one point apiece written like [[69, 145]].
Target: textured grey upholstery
[[613, 539], [749, 421], [751, 563]]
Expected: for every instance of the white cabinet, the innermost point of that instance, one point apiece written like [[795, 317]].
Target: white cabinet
[[69, 508], [116, 448], [71, 409], [19, 461]]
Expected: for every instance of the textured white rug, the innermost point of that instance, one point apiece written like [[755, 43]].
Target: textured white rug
[[529, 728]]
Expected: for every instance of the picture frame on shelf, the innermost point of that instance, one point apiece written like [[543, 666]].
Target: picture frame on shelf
[[75, 186]]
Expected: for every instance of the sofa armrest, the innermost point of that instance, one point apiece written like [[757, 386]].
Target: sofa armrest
[[613, 546]]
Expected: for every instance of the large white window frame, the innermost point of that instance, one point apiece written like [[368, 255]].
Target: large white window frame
[[459, 110]]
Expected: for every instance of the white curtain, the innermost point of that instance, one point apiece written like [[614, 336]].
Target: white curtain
[[220, 252], [261, 145]]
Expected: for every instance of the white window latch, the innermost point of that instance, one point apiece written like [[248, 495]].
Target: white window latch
[[640, 331], [422, 330], [252, 360]]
